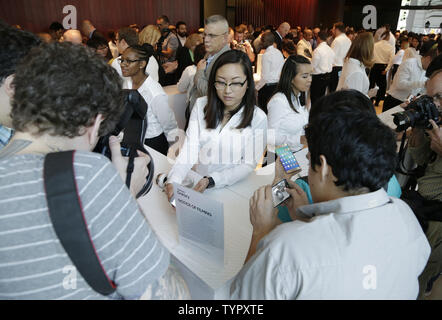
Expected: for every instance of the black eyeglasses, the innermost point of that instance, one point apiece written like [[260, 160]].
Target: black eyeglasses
[[235, 86], [128, 61]]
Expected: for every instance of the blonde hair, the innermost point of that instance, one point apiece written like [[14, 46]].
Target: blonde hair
[[150, 35], [362, 49], [193, 40]]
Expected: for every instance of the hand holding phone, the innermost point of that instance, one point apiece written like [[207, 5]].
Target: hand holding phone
[[279, 193], [288, 160]]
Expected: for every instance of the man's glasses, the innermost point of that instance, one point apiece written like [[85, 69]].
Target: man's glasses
[[128, 61], [235, 86], [211, 35]]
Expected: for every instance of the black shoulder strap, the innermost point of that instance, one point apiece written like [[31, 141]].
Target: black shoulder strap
[[68, 220]]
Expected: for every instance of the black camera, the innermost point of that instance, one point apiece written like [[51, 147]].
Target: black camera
[[133, 123], [417, 114]]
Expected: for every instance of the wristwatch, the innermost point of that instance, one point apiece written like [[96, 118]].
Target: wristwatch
[[211, 182]]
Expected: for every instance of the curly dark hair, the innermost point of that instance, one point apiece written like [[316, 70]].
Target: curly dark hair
[[360, 149], [14, 45], [60, 88]]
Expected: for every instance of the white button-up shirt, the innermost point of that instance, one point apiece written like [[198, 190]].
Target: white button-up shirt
[[383, 52], [225, 154], [272, 63], [367, 246], [397, 59], [186, 81], [323, 58], [340, 46], [409, 79], [353, 76], [304, 48], [287, 124], [160, 117]]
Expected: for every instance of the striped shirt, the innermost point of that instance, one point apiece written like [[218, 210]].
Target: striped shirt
[[33, 263]]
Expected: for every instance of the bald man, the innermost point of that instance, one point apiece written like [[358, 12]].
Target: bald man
[[304, 47], [88, 30], [280, 34], [73, 36]]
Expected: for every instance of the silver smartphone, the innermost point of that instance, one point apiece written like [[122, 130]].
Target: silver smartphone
[[279, 194]]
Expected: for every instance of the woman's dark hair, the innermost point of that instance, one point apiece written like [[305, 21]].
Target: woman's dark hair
[[199, 53], [288, 46], [361, 150], [97, 42], [144, 52], [60, 88], [214, 110], [288, 73]]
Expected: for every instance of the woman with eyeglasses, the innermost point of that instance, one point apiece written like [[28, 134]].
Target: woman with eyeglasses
[[287, 110], [161, 123], [226, 136]]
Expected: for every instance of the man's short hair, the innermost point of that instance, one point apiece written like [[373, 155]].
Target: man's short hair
[[129, 35], [217, 19], [179, 23], [267, 39], [164, 18], [360, 149], [340, 26], [55, 26], [60, 88], [14, 45], [323, 35], [435, 65]]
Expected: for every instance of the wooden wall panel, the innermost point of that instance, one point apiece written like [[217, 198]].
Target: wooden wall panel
[[37, 15]]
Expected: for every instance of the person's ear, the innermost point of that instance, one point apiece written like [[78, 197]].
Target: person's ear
[[143, 64], [9, 88], [94, 130], [324, 168]]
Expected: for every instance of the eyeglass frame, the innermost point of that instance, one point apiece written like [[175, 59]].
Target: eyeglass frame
[[211, 35], [225, 85], [128, 61]]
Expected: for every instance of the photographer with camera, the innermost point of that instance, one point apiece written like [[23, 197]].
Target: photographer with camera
[[354, 241], [425, 146], [65, 98], [409, 79]]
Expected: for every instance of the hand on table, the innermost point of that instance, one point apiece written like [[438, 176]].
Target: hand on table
[[201, 186]]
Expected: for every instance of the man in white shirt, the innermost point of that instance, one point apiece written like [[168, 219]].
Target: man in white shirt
[[127, 37], [380, 35], [409, 79], [382, 54], [272, 63], [340, 45], [353, 242], [322, 63], [304, 47]]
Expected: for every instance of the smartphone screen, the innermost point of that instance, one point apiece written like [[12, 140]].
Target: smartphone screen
[[288, 160]]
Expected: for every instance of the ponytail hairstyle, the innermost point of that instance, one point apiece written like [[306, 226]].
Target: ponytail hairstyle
[[144, 52]]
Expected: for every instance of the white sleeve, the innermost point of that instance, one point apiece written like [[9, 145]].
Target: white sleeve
[[265, 71], [166, 117], [189, 152], [316, 59], [185, 81], [234, 174], [152, 68]]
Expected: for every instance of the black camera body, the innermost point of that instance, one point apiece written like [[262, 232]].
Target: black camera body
[[417, 114], [133, 123]]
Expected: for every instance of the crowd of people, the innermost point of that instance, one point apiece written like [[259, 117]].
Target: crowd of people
[[314, 87]]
